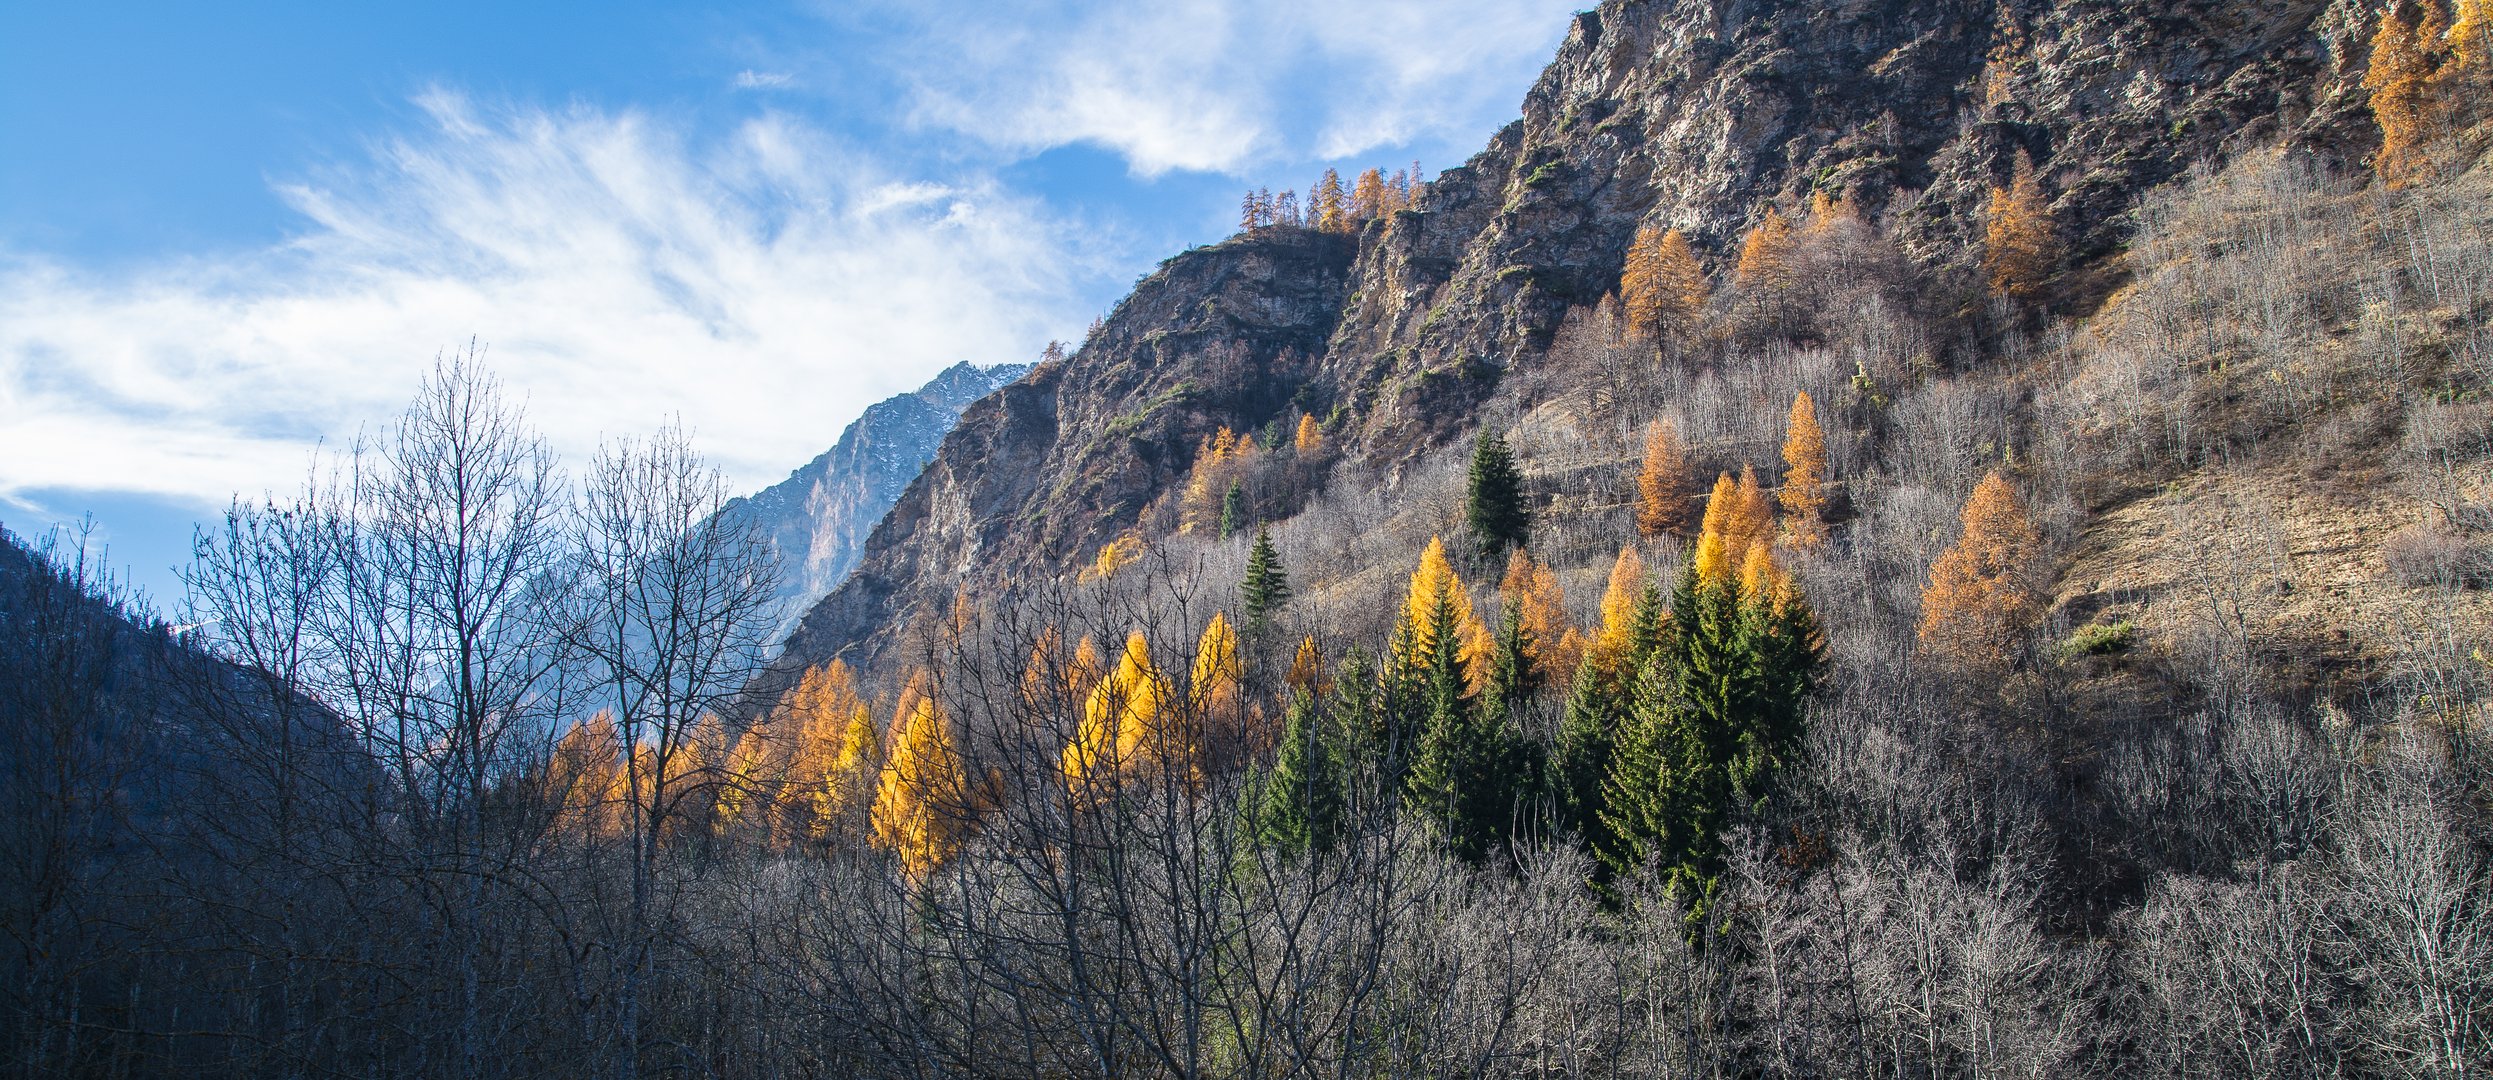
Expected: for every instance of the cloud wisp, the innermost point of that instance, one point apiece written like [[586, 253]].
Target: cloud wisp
[[762, 287], [1219, 85]]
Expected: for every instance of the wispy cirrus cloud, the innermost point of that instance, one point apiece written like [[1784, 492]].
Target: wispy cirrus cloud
[[749, 79], [763, 286], [1219, 85]]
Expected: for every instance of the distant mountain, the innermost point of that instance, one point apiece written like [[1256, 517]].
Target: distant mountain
[[818, 518]]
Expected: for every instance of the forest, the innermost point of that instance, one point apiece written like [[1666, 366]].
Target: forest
[[1816, 662]]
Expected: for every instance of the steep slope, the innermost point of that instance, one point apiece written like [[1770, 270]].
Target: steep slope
[[1041, 473], [1697, 114], [818, 518]]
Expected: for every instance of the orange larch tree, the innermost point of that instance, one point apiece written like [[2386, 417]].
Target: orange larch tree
[[1766, 255], [1662, 289], [1328, 209], [2018, 248], [1978, 606], [1367, 197], [1309, 441], [1662, 482], [1531, 590], [1803, 494]]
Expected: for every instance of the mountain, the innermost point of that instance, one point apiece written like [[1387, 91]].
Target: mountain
[[818, 518], [1695, 114]]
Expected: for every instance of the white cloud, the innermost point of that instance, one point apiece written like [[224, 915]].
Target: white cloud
[[750, 79], [764, 288], [1221, 85]]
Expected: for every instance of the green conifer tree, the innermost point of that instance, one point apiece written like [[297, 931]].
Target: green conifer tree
[[1494, 506], [1303, 794], [1233, 510], [1267, 584]]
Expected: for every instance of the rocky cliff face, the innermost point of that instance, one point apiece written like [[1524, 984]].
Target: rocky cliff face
[[1697, 114], [817, 519]]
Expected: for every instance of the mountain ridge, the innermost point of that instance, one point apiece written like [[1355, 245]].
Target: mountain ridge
[[1693, 114]]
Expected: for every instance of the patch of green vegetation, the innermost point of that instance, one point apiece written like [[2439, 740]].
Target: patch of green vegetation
[[2098, 639], [1133, 419], [1548, 173]]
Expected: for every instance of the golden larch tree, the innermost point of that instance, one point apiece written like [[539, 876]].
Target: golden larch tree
[[922, 803], [1436, 578], [1612, 642], [1531, 590], [1224, 459], [1715, 559], [1753, 521], [586, 775], [1309, 441], [1367, 197], [2018, 246], [1662, 482], [1662, 289], [825, 715], [1767, 260], [1215, 690], [1803, 494], [1978, 606], [2399, 78], [1113, 556], [1307, 674], [1328, 209], [1130, 724], [756, 770]]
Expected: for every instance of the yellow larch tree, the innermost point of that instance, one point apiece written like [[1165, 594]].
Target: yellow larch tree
[[2400, 78], [1307, 674], [1113, 556], [1531, 590], [1614, 640], [1224, 459], [2018, 247], [1328, 209], [1754, 520], [1662, 289], [1717, 557], [922, 802], [1130, 723], [1309, 441], [1662, 481], [1803, 494], [822, 716], [586, 774], [1766, 254], [1212, 685], [1978, 605], [755, 771], [1436, 578], [1828, 214], [1367, 197]]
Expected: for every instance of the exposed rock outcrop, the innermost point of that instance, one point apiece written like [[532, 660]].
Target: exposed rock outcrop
[[817, 520]]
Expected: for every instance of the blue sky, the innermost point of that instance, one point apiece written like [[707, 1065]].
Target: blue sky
[[233, 235]]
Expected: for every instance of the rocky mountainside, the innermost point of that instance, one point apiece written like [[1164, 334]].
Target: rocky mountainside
[[818, 518], [1698, 114]]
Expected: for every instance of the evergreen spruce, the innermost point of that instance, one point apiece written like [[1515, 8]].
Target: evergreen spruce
[[1495, 506], [1475, 770], [1303, 795], [1233, 510], [1267, 584]]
